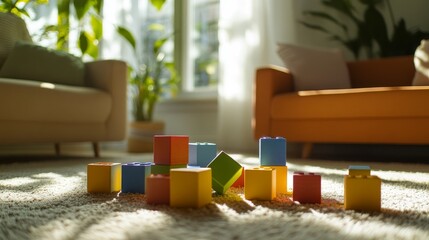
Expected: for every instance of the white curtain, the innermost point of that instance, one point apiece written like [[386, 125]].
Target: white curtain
[[243, 36]]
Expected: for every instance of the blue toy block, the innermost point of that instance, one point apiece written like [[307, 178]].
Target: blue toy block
[[272, 151], [134, 176], [355, 170], [201, 154]]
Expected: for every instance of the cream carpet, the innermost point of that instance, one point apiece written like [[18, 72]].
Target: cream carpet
[[46, 198]]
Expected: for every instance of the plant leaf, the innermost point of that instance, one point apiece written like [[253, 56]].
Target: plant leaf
[[81, 7], [97, 27], [83, 42], [157, 45], [327, 17], [98, 6], [127, 35], [343, 6], [315, 27], [158, 4], [156, 27]]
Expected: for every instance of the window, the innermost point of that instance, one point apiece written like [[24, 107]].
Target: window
[[198, 56], [196, 44]]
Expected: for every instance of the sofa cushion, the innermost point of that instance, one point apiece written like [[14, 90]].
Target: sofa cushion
[[22, 100], [315, 69], [13, 29], [31, 62], [375, 103], [421, 62]]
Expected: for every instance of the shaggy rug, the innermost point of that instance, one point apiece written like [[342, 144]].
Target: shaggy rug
[[45, 198]]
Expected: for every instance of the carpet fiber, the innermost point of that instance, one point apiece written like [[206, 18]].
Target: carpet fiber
[[46, 198]]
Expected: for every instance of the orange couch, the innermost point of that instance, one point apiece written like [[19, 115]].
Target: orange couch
[[381, 106]]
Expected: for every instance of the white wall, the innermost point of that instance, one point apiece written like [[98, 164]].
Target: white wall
[[197, 119]]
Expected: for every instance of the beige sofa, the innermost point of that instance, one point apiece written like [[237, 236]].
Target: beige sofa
[[42, 112]]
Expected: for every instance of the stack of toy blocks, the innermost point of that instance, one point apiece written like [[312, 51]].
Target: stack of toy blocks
[[158, 189], [260, 183], [134, 176], [307, 187], [272, 154], [225, 171], [362, 191], [103, 177], [201, 154], [190, 187], [169, 152]]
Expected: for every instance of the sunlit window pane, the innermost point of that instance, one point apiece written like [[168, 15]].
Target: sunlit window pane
[[205, 43]]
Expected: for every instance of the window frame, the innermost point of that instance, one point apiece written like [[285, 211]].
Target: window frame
[[182, 58]]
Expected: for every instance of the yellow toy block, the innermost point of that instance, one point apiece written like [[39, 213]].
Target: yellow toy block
[[362, 193], [359, 170], [104, 177], [190, 187], [260, 183], [281, 178]]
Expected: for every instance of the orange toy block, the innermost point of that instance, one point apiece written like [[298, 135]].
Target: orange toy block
[[260, 183], [171, 149], [104, 177], [158, 189], [307, 187], [362, 193], [281, 178], [190, 187], [240, 181]]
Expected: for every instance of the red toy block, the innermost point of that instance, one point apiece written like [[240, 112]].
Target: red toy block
[[170, 149], [240, 181], [307, 187], [158, 189]]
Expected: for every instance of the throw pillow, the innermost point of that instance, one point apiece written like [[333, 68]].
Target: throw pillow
[[12, 29], [315, 69], [32, 62], [421, 62]]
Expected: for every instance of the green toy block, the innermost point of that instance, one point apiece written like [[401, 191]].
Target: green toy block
[[165, 169], [225, 171]]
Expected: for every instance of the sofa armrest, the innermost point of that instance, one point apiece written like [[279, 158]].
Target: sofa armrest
[[111, 77], [270, 81]]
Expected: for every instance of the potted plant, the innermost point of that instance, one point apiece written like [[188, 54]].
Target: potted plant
[[372, 31], [149, 82]]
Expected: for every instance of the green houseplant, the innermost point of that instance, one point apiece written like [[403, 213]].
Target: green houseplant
[[371, 33], [151, 80]]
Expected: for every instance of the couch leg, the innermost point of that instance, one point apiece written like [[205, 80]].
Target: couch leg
[[96, 148], [57, 149], [306, 150]]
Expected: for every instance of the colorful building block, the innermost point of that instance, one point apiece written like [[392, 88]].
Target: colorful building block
[[355, 170], [240, 181], [134, 176], [190, 187], [103, 177], [307, 187], [158, 189], [201, 154], [260, 183], [225, 171], [171, 149], [281, 179], [165, 169], [362, 193], [272, 151]]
